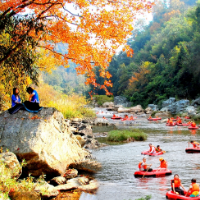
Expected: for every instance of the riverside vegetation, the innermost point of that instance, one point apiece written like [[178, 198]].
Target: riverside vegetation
[[124, 135]]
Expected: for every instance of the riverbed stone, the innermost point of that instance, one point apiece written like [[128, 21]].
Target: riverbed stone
[[10, 165], [46, 190], [71, 173], [153, 107], [196, 102], [108, 104], [59, 180], [42, 139]]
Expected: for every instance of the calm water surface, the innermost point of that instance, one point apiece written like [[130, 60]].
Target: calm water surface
[[119, 162]]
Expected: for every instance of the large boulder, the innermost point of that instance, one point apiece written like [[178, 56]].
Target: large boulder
[[42, 139], [168, 102], [136, 109], [123, 110], [120, 100], [195, 102], [190, 110], [153, 107], [108, 104]]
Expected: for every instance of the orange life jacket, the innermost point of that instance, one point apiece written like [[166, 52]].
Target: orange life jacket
[[179, 121], [193, 124], [140, 166], [195, 144], [195, 187], [114, 115], [163, 164], [150, 117], [177, 183], [170, 122]]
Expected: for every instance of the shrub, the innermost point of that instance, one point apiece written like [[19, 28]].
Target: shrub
[[101, 99], [122, 135]]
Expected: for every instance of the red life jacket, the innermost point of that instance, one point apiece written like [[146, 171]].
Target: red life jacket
[[140, 166]]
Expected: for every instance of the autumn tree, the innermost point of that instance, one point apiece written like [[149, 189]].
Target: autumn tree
[[93, 29]]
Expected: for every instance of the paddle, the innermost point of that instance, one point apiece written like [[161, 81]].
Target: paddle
[[147, 170]]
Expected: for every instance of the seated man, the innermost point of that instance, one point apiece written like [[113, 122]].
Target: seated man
[[193, 189], [143, 166], [195, 144]]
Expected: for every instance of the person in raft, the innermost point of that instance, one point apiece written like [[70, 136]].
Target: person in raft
[[143, 166], [163, 164], [152, 149], [193, 124], [158, 149], [176, 184], [195, 144], [193, 189], [15, 97]]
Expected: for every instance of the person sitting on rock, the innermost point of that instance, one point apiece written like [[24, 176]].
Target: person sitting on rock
[[143, 166], [176, 184], [33, 104], [15, 97], [193, 189], [16, 102], [195, 144]]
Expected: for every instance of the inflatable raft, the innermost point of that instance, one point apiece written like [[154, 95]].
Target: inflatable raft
[[172, 195], [150, 154], [174, 124], [192, 150], [155, 173], [154, 119], [193, 128], [116, 118]]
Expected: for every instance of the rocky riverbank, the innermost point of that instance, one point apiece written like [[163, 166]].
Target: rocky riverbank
[[52, 148], [167, 109]]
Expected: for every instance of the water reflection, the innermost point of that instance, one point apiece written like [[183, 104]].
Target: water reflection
[[86, 196]]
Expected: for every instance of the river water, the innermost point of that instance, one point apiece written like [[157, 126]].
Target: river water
[[119, 162]]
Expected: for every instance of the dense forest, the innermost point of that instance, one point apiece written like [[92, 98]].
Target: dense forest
[[166, 56]]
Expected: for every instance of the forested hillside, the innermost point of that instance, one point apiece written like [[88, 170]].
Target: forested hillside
[[166, 56]]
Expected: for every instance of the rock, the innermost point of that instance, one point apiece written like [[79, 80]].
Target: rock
[[24, 195], [164, 121], [81, 140], [74, 120], [81, 183], [108, 104], [91, 166], [165, 109], [190, 110], [137, 109], [101, 122], [153, 107], [195, 102], [59, 180], [123, 110], [91, 187], [163, 114], [10, 163], [120, 100], [93, 144], [168, 102], [71, 173], [46, 190], [42, 139]]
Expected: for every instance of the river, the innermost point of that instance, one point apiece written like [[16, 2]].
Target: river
[[119, 162]]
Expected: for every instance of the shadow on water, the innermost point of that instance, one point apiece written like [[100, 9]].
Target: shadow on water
[[119, 162]]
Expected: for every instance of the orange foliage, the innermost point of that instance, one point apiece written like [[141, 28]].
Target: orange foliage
[[93, 30], [173, 13]]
